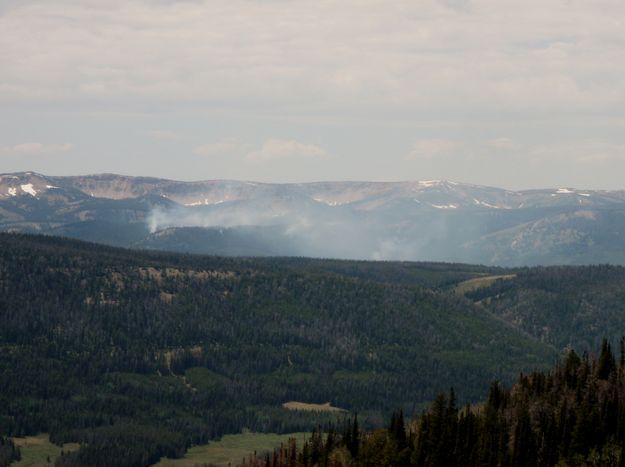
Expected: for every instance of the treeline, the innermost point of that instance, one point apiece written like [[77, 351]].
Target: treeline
[[8, 452], [573, 415], [126, 444]]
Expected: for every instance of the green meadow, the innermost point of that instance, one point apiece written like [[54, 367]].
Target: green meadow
[[232, 449]]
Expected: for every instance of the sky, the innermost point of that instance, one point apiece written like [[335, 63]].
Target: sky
[[516, 94]]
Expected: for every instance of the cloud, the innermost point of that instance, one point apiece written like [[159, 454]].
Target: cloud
[[588, 152], [365, 76], [227, 147], [274, 149], [480, 56], [431, 148], [35, 149], [164, 135], [503, 143]]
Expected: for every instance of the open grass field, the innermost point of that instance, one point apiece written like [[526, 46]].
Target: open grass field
[[231, 449], [38, 451], [327, 407], [479, 282]]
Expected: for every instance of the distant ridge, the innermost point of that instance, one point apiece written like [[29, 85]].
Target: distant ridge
[[437, 220]]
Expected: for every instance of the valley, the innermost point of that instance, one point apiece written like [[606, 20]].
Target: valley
[[143, 355], [242, 233]]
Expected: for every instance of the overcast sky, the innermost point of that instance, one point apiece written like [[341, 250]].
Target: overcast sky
[[517, 94]]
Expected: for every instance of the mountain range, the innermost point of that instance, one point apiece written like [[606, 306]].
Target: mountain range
[[433, 220]]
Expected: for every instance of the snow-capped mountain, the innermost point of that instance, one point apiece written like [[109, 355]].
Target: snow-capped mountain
[[415, 220]]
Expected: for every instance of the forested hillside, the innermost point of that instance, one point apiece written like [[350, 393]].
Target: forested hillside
[[562, 306], [139, 355], [573, 415]]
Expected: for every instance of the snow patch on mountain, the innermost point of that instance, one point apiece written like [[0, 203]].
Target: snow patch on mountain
[[204, 202], [485, 204], [430, 183], [326, 202], [28, 188]]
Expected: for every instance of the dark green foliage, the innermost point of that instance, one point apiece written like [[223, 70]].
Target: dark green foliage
[[606, 364], [186, 348], [397, 429], [568, 416], [8, 452], [543, 420], [564, 306], [124, 445], [95, 339]]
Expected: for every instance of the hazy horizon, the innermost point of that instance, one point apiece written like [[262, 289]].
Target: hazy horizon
[[519, 96], [296, 182]]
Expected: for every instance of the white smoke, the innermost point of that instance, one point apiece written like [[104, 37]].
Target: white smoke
[[305, 228]]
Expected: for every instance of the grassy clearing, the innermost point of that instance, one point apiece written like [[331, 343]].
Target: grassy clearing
[[38, 451], [480, 282], [232, 449], [327, 407]]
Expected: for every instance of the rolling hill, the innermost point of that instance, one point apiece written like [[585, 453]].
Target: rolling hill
[[153, 352]]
